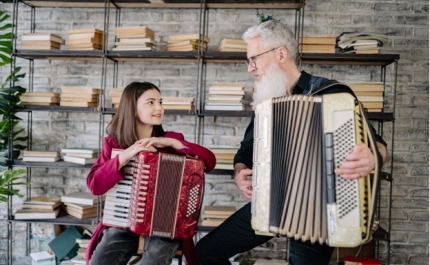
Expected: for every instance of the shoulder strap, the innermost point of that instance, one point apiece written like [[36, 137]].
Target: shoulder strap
[[327, 84]]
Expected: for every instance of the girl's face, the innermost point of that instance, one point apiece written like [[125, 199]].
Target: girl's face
[[149, 108]]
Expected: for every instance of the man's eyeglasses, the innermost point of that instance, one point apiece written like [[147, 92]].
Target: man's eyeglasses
[[251, 60]]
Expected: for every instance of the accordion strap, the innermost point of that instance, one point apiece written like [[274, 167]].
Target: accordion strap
[[328, 84]]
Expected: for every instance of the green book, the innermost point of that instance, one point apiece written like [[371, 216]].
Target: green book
[[64, 245]]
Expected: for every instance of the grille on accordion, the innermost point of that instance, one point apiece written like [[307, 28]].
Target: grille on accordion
[[159, 196], [298, 142]]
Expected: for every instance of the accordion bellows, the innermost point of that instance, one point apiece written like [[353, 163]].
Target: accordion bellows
[[161, 195], [298, 142]]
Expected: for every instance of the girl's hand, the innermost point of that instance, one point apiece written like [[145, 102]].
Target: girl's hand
[[160, 142]]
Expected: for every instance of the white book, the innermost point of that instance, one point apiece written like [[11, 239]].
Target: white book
[[80, 197], [80, 150], [25, 215], [224, 107], [80, 160], [40, 158]]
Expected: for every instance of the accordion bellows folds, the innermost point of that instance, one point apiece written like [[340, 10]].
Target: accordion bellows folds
[[160, 195], [298, 142]]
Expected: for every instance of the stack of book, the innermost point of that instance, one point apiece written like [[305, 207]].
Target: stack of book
[[40, 207], [80, 204], [81, 211], [361, 43], [115, 94], [79, 96], [134, 38], [226, 96], [224, 156], [83, 244], [232, 45], [178, 103], [319, 44], [80, 155], [40, 99], [214, 215], [41, 41], [85, 39], [40, 156], [370, 94], [187, 42]]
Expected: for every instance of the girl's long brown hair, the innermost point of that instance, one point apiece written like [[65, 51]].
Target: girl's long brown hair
[[122, 127]]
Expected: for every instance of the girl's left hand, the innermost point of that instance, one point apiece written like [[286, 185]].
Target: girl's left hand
[[160, 142]]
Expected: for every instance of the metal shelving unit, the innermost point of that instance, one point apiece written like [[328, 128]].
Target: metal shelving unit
[[200, 58]]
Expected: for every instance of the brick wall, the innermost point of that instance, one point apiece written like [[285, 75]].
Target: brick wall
[[406, 22]]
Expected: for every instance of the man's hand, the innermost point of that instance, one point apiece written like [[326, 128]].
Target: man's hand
[[241, 177], [359, 163]]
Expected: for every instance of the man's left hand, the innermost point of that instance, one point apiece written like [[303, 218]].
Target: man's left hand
[[359, 163]]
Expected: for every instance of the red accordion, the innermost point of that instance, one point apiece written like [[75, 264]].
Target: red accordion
[[160, 196]]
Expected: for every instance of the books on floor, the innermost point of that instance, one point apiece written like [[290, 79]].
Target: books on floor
[[232, 45], [79, 197], [40, 156], [40, 99], [79, 96], [41, 41], [78, 155], [319, 44], [179, 103], [187, 42], [226, 96], [134, 38], [85, 39], [214, 215]]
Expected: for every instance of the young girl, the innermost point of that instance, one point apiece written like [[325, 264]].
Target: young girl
[[136, 127]]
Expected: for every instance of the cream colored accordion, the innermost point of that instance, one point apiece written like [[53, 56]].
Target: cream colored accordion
[[298, 142]]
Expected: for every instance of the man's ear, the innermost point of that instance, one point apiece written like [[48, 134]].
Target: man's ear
[[282, 54]]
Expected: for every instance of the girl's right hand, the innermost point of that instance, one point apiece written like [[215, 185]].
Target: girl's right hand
[[133, 150]]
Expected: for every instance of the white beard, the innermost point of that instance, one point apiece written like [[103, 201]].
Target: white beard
[[273, 83]]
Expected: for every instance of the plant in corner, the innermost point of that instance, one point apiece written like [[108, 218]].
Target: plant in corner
[[9, 103]]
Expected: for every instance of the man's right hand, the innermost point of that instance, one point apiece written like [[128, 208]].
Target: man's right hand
[[243, 184]]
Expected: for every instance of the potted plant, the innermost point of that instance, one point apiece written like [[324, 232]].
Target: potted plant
[[9, 103]]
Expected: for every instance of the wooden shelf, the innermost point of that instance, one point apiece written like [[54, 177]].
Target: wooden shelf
[[62, 219], [57, 164], [191, 4], [349, 59], [59, 54]]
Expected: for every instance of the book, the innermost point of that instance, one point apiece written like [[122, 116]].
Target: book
[[369, 93], [80, 208], [319, 39], [29, 215], [370, 98], [79, 104], [84, 40], [85, 30], [226, 92], [176, 38], [80, 160], [224, 107], [80, 90], [80, 150], [42, 36], [219, 209], [40, 153], [118, 31], [351, 260], [372, 105], [41, 256], [41, 158], [32, 206], [45, 200], [64, 245], [49, 43], [230, 41], [81, 215], [207, 222], [132, 48], [79, 197]]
